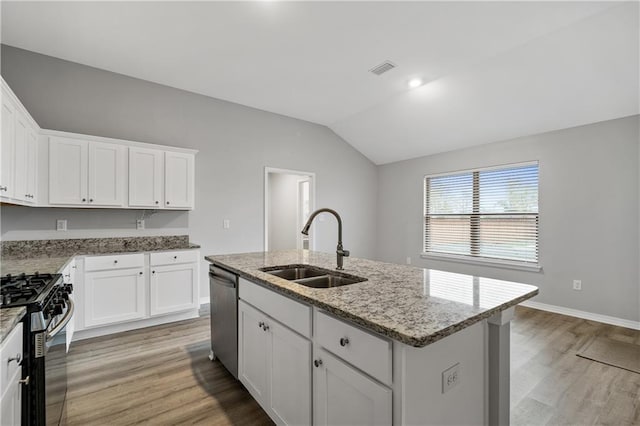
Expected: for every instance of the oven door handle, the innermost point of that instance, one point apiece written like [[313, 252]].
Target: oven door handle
[[62, 324]]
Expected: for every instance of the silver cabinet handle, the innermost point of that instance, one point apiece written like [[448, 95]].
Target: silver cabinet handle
[[344, 341], [25, 381], [317, 362], [3, 188], [17, 359]]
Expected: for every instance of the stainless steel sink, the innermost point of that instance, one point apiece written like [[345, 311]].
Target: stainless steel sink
[[296, 273], [312, 276]]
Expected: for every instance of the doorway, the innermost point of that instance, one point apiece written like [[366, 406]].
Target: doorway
[[289, 197]]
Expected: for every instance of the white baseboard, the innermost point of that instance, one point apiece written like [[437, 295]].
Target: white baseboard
[[620, 322], [204, 300], [133, 325]]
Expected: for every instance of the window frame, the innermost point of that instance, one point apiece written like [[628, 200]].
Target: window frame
[[474, 217]]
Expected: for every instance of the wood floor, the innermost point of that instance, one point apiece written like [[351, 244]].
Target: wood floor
[[162, 376]]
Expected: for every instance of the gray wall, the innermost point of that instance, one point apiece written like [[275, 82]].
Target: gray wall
[[283, 211], [589, 213], [235, 143]]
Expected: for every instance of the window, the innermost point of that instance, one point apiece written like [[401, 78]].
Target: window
[[486, 214]]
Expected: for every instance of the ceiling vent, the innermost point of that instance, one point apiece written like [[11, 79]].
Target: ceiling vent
[[383, 67]]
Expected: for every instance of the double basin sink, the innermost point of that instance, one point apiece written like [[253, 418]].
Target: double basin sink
[[312, 276]]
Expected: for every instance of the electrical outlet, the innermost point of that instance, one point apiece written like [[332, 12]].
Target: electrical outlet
[[408, 260], [226, 224], [61, 225], [577, 284], [140, 224], [450, 378]]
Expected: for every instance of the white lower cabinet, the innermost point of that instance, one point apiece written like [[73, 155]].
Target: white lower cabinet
[[118, 292], [10, 378], [351, 368], [275, 366], [173, 288], [344, 396], [114, 296]]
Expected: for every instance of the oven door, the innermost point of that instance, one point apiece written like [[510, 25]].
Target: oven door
[[55, 367]]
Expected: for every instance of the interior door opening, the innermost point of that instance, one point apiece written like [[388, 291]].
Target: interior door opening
[[289, 199]]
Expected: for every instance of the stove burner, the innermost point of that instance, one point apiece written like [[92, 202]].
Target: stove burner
[[23, 289]]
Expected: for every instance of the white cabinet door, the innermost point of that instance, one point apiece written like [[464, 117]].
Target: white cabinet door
[[106, 174], [7, 147], [146, 177], [179, 180], [32, 165], [173, 288], [252, 352], [344, 396], [68, 277], [114, 296], [21, 166], [68, 169], [11, 403], [290, 376]]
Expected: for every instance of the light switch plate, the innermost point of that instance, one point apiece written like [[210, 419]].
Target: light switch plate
[[140, 224]]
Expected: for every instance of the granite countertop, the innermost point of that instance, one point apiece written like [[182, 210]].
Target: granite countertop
[[412, 305], [50, 256], [9, 317]]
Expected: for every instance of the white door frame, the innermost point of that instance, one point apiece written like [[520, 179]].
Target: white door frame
[[312, 199]]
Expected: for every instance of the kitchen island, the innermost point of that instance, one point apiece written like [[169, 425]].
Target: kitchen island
[[447, 334]]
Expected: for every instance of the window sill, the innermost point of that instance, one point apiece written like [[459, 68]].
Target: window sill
[[495, 263]]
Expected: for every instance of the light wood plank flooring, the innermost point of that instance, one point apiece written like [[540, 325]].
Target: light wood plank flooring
[[162, 376]]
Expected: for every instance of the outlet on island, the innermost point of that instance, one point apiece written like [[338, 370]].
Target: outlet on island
[[450, 378]]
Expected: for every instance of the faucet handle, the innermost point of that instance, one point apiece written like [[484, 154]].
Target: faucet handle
[[345, 253]]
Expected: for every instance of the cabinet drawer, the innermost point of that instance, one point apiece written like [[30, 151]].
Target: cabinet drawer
[[369, 353], [11, 348], [171, 257], [116, 261], [294, 315]]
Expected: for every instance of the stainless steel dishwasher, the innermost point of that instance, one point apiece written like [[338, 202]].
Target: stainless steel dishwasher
[[223, 291]]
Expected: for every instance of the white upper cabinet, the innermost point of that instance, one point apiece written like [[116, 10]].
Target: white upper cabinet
[[146, 177], [86, 172], [18, 151], [68, 171], [161, 179], [8, 145], [178, 180], [106, 174]]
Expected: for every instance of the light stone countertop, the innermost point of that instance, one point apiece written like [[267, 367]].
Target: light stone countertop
[[9, 317], [51, 256], [411, 305]]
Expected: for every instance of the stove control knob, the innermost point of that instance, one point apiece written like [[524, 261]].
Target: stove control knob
[[61, 302], [58, 310], [68, 288], [64, 295]]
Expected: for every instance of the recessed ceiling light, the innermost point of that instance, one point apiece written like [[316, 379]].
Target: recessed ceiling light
[[415, 82]]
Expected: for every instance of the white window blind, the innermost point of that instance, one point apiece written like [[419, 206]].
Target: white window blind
[[487, 213]]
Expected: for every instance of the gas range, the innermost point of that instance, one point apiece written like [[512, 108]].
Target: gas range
[[50, 309]]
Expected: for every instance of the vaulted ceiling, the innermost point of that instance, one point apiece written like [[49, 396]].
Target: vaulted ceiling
[[491, 70]]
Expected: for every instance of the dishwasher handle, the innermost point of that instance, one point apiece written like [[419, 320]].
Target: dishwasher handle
[[222, 280]]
